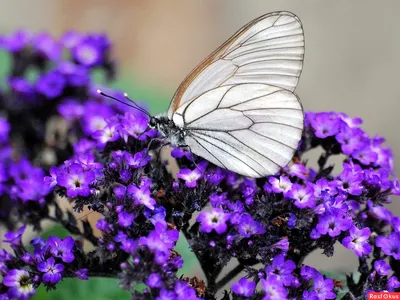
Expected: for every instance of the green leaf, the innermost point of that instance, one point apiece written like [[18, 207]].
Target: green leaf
[[342, 278], [190, 264], [95, 288]]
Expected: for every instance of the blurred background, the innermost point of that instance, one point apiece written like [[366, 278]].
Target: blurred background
[[352, 57]]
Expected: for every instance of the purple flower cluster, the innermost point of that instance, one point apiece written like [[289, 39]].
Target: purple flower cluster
[[47, 264], [60, 139]]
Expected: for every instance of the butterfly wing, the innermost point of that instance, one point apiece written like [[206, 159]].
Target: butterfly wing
[[250, 129], [270, 50]]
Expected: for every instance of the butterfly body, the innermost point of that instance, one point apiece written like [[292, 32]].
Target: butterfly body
[[174, 134], [237, 108]]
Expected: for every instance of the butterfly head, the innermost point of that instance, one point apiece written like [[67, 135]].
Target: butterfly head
[[168, 129]]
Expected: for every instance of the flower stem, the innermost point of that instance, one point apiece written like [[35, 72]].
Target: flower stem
[[228, 277]]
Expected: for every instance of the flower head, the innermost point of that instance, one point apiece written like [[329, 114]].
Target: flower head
[[244, 287], [19, 283], [390, 245], [358, 241], [76, 180], [323, 287], [248, 227], [213, 220], [62, 248], [52, 271], [274, 290], [281, 270]]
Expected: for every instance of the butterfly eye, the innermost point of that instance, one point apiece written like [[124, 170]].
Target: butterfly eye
[[152, 122]]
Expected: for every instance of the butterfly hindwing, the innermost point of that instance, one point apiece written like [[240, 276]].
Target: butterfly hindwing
[[255, 136]]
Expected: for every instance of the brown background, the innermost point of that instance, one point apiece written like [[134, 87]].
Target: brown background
[[352, 51]]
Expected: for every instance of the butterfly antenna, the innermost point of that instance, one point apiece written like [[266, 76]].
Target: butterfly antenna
[[139, 108], [135, 106]]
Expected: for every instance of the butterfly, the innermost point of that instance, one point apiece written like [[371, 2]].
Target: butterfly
[[237, 108]]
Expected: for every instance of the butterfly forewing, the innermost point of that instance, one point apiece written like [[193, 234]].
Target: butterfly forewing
[[269, 49], [237, 107]]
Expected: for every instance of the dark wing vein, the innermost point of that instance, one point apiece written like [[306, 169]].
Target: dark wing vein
[[218, 139], [272, 140], [223, 150]]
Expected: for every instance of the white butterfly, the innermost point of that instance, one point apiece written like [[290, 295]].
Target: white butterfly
[[237, 108]]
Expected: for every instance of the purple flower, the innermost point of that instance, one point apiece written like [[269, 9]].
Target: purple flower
[[108, 134], [4, 130], [135, 125], [303, 195], [366, 155], [129, 245], [166, 295], [390, 245], [96, 115], [384, 154], [333, 223], [215, 219], [396, 224], [76, 181], [142, 196], [16, 41], [82, 274], [298, 170], [190, 176], [70, 39], [351, 139], [323, 287], [281, 185], [84, 146], [393, 283], [274, 290], [218, 200], [160, 239], [51, 180], [282, 245], [281, 270], [15, 238], [62, 248], [139, 160], [103, 225], [184, 291], [88, 53], [308, 273], [52, 271], [22, 87], [125, 219], [351, 181], [351, 122], [244, 288], [382, 268], [156, 215], [216, 176], [47, 46], [358, 241], [51, 84], [310, 295], [325, 124], [248, 227], [154, 281], [75, 75], [178, 152], [19, 283], [379, 212]]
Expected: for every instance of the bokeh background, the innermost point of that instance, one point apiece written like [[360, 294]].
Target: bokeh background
[[352, 57]]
